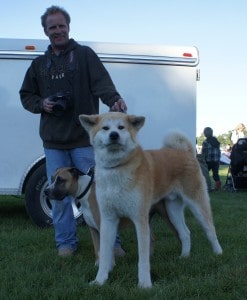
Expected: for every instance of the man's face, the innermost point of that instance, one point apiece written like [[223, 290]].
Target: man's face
[[57, 30]]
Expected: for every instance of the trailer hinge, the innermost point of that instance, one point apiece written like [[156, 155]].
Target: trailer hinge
[[198, 77]]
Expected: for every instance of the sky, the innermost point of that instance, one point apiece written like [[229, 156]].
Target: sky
[[217, 28]]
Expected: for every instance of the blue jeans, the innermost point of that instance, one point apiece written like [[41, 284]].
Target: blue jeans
[[62, 213]]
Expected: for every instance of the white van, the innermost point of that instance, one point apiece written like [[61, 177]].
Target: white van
[[158, 82]]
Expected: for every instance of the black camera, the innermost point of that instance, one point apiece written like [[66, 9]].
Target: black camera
[[62, 101]]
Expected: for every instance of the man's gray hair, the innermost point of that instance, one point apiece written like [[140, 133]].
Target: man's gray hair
[[53, 10]]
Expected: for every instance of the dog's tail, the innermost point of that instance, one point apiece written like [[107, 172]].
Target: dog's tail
[[178, 140]]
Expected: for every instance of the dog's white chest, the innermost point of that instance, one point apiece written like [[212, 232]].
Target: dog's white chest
[[115, 195]]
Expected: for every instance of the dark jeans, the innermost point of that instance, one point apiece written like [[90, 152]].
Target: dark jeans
[[214, 166], [204, 168]]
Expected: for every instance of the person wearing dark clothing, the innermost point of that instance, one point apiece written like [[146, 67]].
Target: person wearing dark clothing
[[68, 80], [211, 152], [79, 77]]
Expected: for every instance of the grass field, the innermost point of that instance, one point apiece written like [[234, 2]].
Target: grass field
[[31, 269]]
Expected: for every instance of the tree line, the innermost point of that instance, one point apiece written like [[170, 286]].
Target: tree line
[[224, 139]]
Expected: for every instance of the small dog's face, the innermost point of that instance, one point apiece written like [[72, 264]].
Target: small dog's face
[[64, 183]]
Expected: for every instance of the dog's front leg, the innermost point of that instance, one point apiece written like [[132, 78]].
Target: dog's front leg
[[108, 231], [143, 238]]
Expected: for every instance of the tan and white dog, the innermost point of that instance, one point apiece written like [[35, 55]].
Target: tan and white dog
[[69, 181], [129, 180]]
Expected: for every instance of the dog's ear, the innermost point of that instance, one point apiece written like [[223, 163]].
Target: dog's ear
[[88, 121], [76, 172], [136, 121]]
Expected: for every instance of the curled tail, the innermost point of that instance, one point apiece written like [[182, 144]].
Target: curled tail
[[177, 140]]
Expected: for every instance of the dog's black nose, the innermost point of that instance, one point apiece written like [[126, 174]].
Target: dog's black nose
[[114, 135]]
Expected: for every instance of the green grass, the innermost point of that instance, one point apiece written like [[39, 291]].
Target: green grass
[[31, 269]]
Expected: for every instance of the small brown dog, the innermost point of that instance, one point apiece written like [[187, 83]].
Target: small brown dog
[[69, 181]]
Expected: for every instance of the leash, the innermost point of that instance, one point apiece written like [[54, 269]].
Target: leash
[[91, 174]]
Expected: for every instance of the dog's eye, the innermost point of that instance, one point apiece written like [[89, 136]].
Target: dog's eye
[[60, 180], [105, 128], [120, 127]]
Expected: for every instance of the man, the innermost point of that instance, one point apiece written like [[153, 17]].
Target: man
[[66, 81], [211, 152]]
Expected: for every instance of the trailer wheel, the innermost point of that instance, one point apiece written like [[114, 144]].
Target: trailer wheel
[[38, 206]]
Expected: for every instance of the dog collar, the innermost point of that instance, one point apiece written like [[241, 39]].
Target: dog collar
[[88, 186]]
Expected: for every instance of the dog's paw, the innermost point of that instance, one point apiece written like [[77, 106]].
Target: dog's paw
[[217, 248], [218, 251], [144, 280], [94, 282], [184, 255], [145, 285], [100, 279]]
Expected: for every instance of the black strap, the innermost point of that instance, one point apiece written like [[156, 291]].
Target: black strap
[[90, 173]]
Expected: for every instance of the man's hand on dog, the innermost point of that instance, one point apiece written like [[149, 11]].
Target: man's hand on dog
[[120, 106]]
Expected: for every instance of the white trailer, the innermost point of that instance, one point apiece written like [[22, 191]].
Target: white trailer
[[156, 81]]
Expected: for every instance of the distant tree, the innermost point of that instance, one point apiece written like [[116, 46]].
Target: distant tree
[[200, 139], [225, 138]]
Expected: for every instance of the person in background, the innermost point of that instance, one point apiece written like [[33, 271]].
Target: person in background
[[68, 80], [238, 132], [204, 167], [211, 152]]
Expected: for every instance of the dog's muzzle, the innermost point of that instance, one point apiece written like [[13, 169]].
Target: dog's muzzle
[[54, 193], [114, 136]]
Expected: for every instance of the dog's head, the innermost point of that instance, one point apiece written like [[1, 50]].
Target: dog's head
[[113, 135], [64, 183]]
